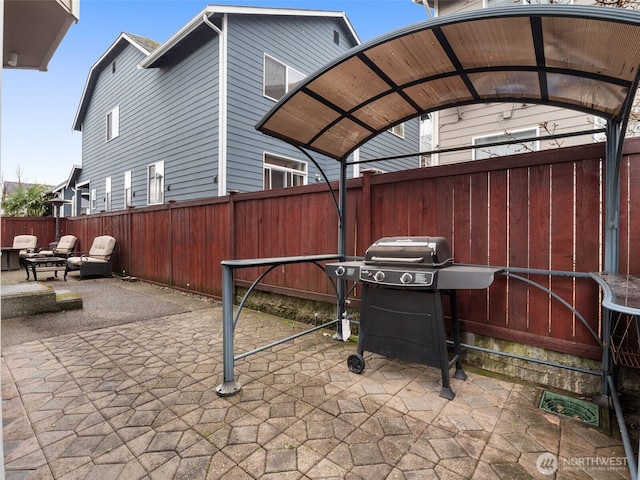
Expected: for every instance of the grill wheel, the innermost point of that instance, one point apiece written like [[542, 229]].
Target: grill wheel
[[355, 362]]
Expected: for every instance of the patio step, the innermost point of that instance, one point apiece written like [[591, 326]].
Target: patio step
[[26, 299], [67, 300]]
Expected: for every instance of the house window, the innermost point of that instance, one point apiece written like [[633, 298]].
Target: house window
[[278, 78], [113, 124], [94, 199], [107, 194], [83, 191], [398, 130], [509, 149], [155, 183], [127, 189], [280, 172]]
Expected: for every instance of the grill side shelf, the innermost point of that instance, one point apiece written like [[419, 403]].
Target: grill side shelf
[[466, 277]]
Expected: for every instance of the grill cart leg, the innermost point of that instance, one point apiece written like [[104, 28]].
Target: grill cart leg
[[460, 375], [446, 391]]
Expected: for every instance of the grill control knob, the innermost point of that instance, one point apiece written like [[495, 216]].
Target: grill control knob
[[340, 271], [406, 278], [379, 276]]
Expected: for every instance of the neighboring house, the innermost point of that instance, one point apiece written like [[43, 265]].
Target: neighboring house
[[66, 191], [176, 121], [484, 123], [9, 187]]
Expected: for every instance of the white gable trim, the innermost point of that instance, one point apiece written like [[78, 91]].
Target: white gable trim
[[93, 71], [184, 32]]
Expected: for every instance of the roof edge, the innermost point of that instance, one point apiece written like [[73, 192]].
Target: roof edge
[[196, 21], [91, 77]]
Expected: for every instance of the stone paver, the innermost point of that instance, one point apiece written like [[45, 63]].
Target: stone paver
[[137, 401]]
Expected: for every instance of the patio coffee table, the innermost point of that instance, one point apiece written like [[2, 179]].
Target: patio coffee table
[[44, 264]]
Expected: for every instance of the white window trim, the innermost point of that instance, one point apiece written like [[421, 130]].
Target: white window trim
[[86, 186], [287, 71], [393, 132], [107, 194], [535, 132], [159, 183], [128, 193], [270, 166], [112, 124], [93, 203]]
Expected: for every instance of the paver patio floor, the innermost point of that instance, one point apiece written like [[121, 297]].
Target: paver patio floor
[[138, 400]]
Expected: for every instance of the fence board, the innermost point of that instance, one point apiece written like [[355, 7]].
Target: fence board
[[562, 243], [518, 230], [461, 239], [629, 231], [589, 231], [498, 218], [539, 247], [431, 207], [479, 242]]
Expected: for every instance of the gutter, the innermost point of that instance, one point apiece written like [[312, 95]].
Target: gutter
[[221, 178]]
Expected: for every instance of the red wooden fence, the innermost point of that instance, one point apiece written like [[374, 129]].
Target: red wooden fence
[[539, 210], [43, 228]]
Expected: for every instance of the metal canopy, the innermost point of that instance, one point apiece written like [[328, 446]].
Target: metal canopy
[[577, 57], [582, 58]]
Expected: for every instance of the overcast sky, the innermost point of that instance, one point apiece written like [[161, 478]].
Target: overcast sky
[[38, 108]]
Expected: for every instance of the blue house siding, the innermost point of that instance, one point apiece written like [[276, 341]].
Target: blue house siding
[[287, 37], [169, 110], [302, 43], [167, 114]]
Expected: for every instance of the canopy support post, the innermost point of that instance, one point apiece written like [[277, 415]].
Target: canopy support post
[[612, 196], [342, 241], [613, 157]]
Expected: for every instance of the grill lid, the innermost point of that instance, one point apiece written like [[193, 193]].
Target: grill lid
[[417, 251]]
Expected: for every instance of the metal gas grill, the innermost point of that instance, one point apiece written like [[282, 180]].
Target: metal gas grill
[[401, 313]]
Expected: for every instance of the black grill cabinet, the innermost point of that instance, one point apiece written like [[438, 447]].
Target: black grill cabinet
[[403, 280]]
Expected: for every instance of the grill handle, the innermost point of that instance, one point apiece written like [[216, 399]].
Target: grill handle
[[397, 260]]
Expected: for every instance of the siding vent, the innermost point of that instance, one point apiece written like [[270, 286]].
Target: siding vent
[[336, 37], [113, 67]]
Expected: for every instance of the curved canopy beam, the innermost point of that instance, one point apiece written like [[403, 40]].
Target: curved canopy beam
[[577, 57]]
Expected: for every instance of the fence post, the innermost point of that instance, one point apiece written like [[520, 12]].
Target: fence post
[[365, 239], [231, 248]]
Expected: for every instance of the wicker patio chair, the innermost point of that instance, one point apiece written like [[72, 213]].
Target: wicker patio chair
[[96, 263]]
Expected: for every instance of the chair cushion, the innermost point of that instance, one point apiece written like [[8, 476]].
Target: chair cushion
[[78, 261], [75, 261], [66, 244], [25, 242], [102, 246]]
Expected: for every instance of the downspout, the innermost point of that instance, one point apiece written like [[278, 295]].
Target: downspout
[[356, 165], [222, 103]]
